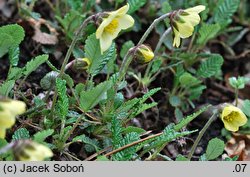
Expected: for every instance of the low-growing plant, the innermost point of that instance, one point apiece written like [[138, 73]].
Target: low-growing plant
[[96, 112]]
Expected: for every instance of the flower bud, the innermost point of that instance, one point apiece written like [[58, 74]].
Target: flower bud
[[27, 150], [144, 54], [81, 64]]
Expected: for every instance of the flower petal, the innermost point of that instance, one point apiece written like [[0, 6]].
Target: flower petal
[[7, 120], [241, 119], [14, 106], [123, 10], [105, 41], [177, 38], [226, 111], [194, 19], [44, 150], [185, 29], [112, 25], [125, 21], [105, 23], [231, 126], [2, 132], [233, 118], [196, 9]]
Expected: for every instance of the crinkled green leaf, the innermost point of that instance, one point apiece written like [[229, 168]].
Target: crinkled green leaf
[[90, 98], [14, 55], [91, 145], [21, 133], [210, 66], [207, 32], [93, 53], [40, 136], [33, 64], [225, 10], [6, 87], [63, 101]]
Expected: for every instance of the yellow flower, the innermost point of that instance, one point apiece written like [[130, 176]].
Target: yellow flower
[[27, 150], [233, 118], [144, 54], [8, 110], [111, 26], [184, 21]]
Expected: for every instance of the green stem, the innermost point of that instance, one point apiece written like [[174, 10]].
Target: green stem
[[62, 126], [125, 63], [127, 59], [132, 144], [69, 52], [164, 69], [158, 46], [32, 110], [191, 42], [201, 133], [7, 147], [178, 127], [58, 11], [21, 83], [236, 97], [73, 128], [50, 4], [151, 27], [85, 6], [73, 43], [45, 99]]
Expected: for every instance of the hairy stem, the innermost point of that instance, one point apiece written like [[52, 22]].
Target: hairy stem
[[236, 97], [151, 27], [125, 63], [127, 59], [7, 147], [158, 46], [73, 128], [69, 52], [201, 133], [73, 43], [176, 128], [132, 144]]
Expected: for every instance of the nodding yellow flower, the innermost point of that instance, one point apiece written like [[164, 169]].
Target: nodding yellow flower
[[183, 23], [111, 26], [233, 118], [8, 110], [81, 64], [27, 150], [144, 54]]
